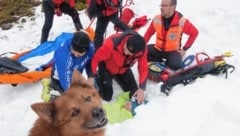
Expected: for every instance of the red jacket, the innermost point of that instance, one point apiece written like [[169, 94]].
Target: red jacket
[[162, 36], [94, 6], [59, 2], [117, 62]]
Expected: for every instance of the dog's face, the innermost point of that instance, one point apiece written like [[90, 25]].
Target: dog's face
[[77, 112]]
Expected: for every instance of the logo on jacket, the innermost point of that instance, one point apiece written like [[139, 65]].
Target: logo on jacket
[[172, 36], [84, 61]]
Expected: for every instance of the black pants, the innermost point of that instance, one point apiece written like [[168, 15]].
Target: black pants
[[49, 16], [101, 26], [55, 85], [104, 80], [173, 58]]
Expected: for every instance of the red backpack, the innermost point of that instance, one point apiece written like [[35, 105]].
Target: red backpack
[[112, 3]]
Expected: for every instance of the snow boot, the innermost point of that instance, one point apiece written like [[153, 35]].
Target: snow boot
[[48, 94]]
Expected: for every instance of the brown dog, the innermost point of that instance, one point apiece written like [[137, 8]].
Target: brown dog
[[78, 112]]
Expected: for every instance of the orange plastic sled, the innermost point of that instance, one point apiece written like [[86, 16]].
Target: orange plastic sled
[[26, 77]]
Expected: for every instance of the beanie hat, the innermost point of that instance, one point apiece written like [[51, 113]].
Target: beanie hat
[[135, 43], [80, 42]]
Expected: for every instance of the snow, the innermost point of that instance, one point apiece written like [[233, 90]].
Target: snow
[[208, 107]]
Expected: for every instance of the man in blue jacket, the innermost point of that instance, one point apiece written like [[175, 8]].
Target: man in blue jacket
[[74, 53]]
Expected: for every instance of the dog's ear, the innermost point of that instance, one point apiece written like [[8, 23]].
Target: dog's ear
[[44, 110], [78, 79]]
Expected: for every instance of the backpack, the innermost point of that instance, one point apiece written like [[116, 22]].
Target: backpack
[[112, 3], [10, 66], [215, 66]]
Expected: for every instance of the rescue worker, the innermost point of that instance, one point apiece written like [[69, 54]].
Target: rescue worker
[[169, 27]]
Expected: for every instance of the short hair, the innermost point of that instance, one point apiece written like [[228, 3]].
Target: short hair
[[173, 2]]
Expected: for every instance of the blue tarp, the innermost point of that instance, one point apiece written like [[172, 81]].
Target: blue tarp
[[46, 47]]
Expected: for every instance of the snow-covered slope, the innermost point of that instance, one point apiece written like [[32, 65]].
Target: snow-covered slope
[[209, 107]]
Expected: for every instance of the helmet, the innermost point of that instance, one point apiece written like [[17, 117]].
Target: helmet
[[155, 70]]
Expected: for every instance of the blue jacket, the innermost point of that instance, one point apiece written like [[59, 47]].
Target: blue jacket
[[65, 62]]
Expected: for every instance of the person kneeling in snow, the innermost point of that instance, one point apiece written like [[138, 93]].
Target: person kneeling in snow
[[114, 60], [169, 27], [75, 53]]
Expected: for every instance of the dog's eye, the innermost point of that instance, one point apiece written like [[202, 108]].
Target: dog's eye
[[87, 99], [75, 112]]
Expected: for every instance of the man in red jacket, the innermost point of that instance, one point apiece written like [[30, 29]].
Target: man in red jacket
[[115, 58], [169, 27], [51, 7]]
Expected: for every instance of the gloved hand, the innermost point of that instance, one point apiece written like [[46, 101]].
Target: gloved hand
[[139, 22], [58, 12]]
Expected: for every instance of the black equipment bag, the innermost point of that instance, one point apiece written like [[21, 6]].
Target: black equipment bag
[[204, 65], [10, 66]]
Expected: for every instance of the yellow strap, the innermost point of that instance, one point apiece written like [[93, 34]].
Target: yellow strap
[[154, 68], [219, 63], [227, 54]]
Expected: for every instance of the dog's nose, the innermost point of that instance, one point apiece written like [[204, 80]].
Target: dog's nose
[[98, 113]]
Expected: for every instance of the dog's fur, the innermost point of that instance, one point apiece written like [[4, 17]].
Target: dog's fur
[[78, 112]]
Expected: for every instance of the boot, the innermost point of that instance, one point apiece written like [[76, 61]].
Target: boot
[[46, 96], [48, 93]]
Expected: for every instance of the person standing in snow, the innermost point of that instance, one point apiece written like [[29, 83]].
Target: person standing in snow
[[51, 7], [75, 53], [115, 58], [169, 27], [99, 9]]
